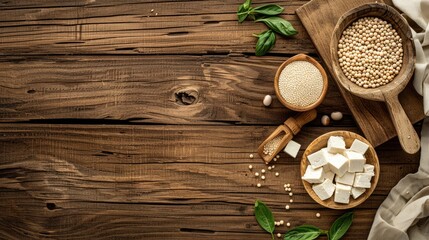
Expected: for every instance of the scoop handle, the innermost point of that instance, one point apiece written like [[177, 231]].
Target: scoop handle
[[295, 123], [406, 133]]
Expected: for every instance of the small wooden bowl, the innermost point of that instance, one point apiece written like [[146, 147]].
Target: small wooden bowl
[[371, 158], [388, 93], [301, 57]]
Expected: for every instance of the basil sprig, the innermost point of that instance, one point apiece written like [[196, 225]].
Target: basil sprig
[[265, 43], [265, 218], [340, 226], [309, 232], [268, 15], [279, 25], [303, 232]]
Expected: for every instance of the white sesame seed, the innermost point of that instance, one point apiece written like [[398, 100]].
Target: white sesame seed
[[250, 167], [288, 224], [318, 215], [263, 171], [282, 222], [279, 235], [258, 185], [285, 186], [277, 174], [256, 174], [269, 168], [287, 207], [152, 10], [291, 194], [272, 167], [263, 177], [278, 156], [251, 155], [291, 200]]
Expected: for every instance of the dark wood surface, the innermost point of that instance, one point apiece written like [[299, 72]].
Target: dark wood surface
[[116, 125]]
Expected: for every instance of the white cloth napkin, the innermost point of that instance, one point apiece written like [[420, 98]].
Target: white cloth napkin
[[405, 212]]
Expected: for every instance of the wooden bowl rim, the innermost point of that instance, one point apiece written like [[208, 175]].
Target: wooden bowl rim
[[301, 57], [329, 203], [408, 65]]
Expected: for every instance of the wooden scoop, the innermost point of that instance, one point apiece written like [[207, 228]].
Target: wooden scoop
[[290, 128], [388, 93]]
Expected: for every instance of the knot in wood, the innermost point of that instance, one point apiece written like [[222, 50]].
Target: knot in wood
[[186, 97]]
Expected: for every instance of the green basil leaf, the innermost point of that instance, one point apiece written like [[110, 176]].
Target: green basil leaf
[[340, 226], [279, 25], [243, 10], [269, 10], [303, 232], [264, 216], [266, 41]]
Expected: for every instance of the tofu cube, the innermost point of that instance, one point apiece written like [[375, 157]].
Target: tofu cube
[[369, 169], [356, 192], [292, 148], [362, 180], [329, 175], [347, 179], [319, 158], [359, 146], [342, 193], [338, 164], [324, 190], [356, 161], [313, 175], [336, 144]]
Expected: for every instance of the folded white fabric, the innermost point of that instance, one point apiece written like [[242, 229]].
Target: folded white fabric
[[418, 11], [405, 212]]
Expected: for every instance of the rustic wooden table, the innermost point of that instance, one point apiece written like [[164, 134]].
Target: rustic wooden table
[[135, 120]]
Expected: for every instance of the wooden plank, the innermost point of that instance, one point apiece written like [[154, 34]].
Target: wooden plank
[[129, 27], [157, 182], [319, 18], [149, 89]]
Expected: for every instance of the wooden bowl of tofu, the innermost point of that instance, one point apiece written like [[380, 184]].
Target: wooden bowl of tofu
[[340, 170]]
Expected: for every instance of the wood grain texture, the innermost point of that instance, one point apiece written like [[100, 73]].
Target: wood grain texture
[[150, 89], [129, 27], [372, 117], [152, 182]]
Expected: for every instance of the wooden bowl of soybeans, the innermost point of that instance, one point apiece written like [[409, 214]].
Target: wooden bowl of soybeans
[[371, 158], [373, 57]]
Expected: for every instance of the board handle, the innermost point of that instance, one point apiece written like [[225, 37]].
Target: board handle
[[295, 123], [407, 135]]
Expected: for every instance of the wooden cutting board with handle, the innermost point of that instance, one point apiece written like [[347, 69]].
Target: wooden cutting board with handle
[[319, 18]]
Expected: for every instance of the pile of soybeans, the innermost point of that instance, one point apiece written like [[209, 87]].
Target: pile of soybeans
[[370, 52]]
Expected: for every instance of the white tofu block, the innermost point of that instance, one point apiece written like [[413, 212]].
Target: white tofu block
[[319, 158], [356, 161], [359, 146], [362, 180], [313, 175], [369, 169], [356, 192], [324, 190], [329, 175], [342, 193], [347, 179], [336, 144], [338, 164], [292, 148]]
